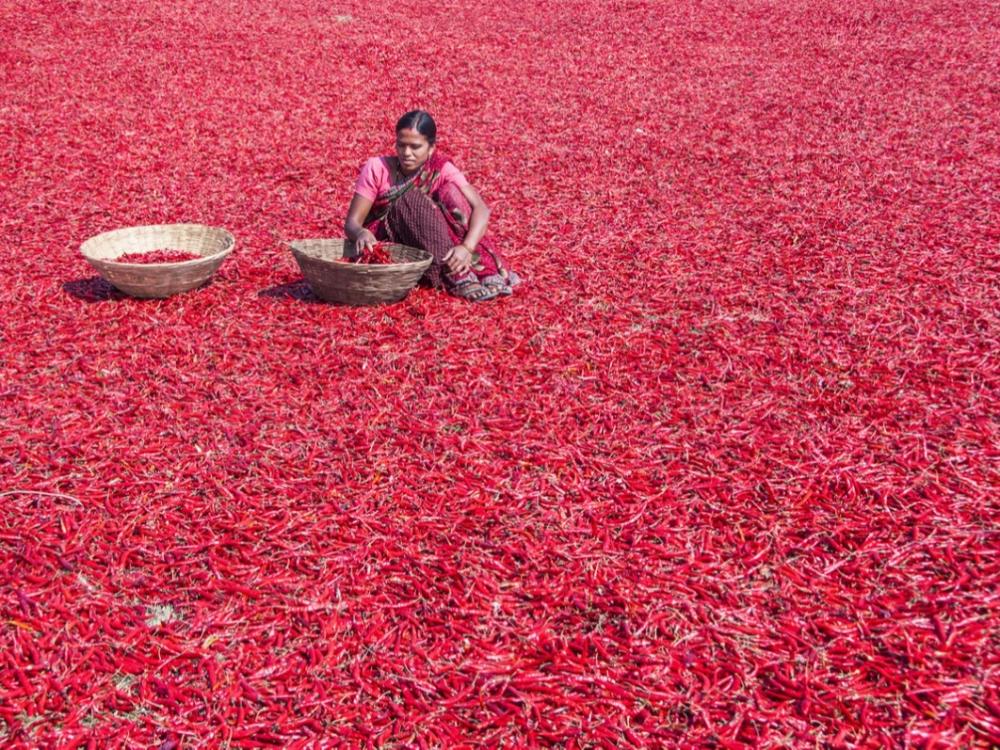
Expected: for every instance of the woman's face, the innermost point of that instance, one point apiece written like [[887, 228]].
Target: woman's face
[[412, 150]]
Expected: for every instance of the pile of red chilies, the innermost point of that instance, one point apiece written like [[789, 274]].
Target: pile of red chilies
[[377, 254], [157, 256]]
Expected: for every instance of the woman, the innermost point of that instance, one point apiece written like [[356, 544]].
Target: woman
[[419, 198]]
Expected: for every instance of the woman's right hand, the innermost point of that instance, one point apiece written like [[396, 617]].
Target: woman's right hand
[[364, 241]]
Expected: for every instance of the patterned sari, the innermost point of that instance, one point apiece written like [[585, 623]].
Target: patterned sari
[[427, 212]]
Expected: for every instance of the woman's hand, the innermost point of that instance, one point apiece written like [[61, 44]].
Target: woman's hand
[[458, 259], [364, 241], [354, 224]]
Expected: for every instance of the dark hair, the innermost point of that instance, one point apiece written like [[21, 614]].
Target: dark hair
[[420, 121]]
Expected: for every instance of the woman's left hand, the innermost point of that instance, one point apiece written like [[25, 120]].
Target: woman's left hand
[[459, 259]]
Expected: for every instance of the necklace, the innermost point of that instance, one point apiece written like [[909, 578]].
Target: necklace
[[397, 174]]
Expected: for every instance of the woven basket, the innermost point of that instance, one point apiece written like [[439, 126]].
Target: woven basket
[[155, 280], [356, 283]]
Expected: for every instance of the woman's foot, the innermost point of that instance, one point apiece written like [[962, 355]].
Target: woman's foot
[[497, 282], [473, 291]]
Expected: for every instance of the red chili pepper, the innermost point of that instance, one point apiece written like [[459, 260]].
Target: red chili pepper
[[723, 474], [158, 256], [377, 254]]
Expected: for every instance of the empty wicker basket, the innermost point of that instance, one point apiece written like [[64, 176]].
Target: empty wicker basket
[[155, 280], [354, 283]]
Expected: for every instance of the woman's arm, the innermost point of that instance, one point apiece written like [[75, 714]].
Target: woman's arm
[[356, 213], [478, 220], [459, 258]]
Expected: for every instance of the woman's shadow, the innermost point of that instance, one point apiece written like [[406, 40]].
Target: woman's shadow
[[292, 290]]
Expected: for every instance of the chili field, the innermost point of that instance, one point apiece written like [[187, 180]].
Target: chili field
[[722, 473]]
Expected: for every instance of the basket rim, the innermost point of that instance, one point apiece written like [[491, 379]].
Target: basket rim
[[229, 241], [355, 267], [169, 264]]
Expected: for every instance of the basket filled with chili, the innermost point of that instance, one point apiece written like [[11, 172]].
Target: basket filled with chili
[[336, 272], [158, 260]]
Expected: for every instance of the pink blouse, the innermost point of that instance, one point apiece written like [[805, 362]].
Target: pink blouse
[[375, 179]]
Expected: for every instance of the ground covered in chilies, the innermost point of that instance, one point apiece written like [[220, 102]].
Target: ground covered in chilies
[[722, 473]]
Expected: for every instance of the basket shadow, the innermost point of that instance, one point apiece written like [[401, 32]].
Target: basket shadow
[[93, 289], [295, 290]]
